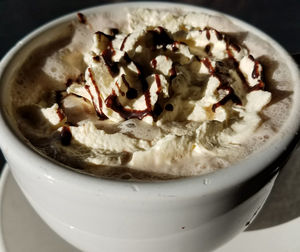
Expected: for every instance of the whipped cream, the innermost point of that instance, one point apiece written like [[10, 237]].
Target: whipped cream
[[152, 98]]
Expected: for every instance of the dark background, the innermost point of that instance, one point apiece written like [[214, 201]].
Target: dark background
[[278, 18]]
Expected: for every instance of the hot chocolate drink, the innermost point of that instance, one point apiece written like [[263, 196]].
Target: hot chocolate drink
[[156, 95]]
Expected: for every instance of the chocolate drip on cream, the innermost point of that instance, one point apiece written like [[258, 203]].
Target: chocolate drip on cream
[[154, 63], [58, 99], [112, 66], [108, 53], [118, 87], [131, 92], [124, 41], [207, 33], [231, 96], [113, 103], [158, 83], [172, 72], [81, 18], [235, 47], [255, 72], [99, 111], [259, 86], [109, 37]]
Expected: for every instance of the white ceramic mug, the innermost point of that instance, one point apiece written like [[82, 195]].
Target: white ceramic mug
[[94, 214]]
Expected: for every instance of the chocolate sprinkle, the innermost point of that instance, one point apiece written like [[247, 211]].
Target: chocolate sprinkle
[[169, 107], [66, 136]]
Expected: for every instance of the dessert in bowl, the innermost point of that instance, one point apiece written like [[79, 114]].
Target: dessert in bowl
[[175, 102]]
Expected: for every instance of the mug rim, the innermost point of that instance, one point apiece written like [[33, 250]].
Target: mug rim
[[183, 187]]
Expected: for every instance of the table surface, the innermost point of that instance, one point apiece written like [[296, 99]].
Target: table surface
[[279, 19]]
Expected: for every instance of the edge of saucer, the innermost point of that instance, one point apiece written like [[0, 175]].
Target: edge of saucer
[[3, 179]]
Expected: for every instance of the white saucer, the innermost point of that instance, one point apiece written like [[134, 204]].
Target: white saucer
[[22, 230]]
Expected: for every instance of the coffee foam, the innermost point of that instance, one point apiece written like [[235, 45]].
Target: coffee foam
[[59, 67]]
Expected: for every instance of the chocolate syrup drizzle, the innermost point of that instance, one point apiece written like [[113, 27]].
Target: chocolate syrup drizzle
[[131, 92], [112, 66], [123, 43], [98, 108], [58, 100], [255, 72], [223, 85], [172, 72], [207, 33], [65, 135], [118, 87], [158, 83], [160, 39], [154, 63], [259, 86], [81, 18], [109, 37], [231, 96], [113, 102], [59, 96], [108, 53]]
